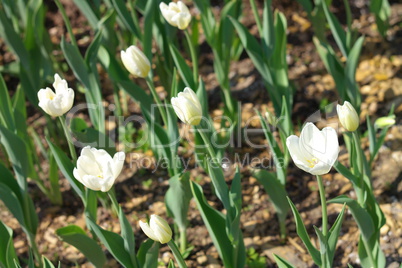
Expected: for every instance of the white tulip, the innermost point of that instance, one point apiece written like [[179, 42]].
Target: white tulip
[[315, 151], [59, 103], [177, 14], [97, 170], [157, 229], [348, 116], [187, 107], [135, 61]]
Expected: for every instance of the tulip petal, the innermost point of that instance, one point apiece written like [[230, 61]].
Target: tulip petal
[[148, 231]]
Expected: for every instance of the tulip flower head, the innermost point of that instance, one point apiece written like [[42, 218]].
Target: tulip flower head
[[348, 116], [384, 122], [59, 102], [135, 62], [187, 107], [97, 170], [176, 14], [157, 229], [315, 151]]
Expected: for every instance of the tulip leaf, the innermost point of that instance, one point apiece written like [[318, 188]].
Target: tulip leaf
[[149, 18], [17, 152], [89, 12], [333, 235], [125, 16], [275, 190], [128, 235], [148, 254], [350, 73], [11, 201], [77, 237], [302, 232], [177, 199], [181, 65], [346, 173], [268, 30], [66, 167], [215, 223], [6, 111], [361, 216], [323, 245], [218, 179], [282, 263], [336, 29], [113, 242], [7, 250], [253, 49], [171, 264], [47, 264]]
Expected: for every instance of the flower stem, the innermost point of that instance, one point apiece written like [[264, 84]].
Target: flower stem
[[359, 155], [183, 240], [157, 100], [323, 206], [207, 143], [324, 227], [176, 253], [194, 58], [69, 142]]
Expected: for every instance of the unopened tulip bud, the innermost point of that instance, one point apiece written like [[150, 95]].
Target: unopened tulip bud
[[348, 116], [136, 62], [385, 121], [176, 14], [188, 107], [59, 102], [157, 229], [97, 170]]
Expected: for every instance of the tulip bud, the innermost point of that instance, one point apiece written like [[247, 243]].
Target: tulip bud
[[59, 103], [136, 62], [187, 107], [348, 116], [385, 121], [157, 229], [97, 170], [271, 119], [176, 14]]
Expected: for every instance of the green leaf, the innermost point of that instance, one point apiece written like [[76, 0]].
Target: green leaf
[[17, 152], [171, 264], [282, 263], [334, 234], [302, 232], [347, 173], [323, 245], [113, 242], [275, 190], [350, 72], [215, 223], [149, 15], [218, 179], [148, 254], [268, 34], [7, 251], [253, 49], [47, 263], [126, 18], [6, 111], [128, 235], [336, 29], [177, 199], [66, 167], [181, 65], [77, 237], [88, 12], [11, 201], [361, 216]]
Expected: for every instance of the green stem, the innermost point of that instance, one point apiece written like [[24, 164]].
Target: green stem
[[183, 240], [282, 228], [359, 155], [369, 253], [69, 142], [194, 58], [256, 16], [157, 100], [207, 143], [324, 217], [115, 204], [176, 253], [323, 206], [67, 23]]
